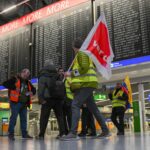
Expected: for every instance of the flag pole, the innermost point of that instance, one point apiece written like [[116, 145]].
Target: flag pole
[[70, 66], [72, 63]]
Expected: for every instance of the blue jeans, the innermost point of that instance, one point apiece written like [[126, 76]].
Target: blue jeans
[[21, 109], [85, 96]]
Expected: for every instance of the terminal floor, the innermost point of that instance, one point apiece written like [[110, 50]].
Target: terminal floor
[[127, 142]]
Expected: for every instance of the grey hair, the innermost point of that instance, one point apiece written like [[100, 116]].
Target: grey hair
[[25, 70], [48, 62]]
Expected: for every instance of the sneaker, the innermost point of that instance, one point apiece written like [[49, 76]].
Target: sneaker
[[27, 137], [70, 137], [11, 137], [104, 135], [120, 133], [91, 135], [82, 135], [39, 137], [60, 136]]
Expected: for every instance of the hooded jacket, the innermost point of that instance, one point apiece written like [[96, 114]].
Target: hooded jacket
[[45, 81]]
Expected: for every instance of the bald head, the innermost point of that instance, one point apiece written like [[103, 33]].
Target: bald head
[[48, 62]]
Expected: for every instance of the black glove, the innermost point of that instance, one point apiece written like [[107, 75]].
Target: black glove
[[42, 101], [120, 98]]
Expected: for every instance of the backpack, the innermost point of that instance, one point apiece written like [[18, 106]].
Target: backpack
[[57, 89]]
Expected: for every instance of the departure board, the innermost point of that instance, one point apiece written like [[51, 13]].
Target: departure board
[[129, 26], [14, 52], [53, 36]]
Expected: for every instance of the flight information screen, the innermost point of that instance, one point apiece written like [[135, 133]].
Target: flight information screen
[[14, 52], [129, 26], [53, 35]]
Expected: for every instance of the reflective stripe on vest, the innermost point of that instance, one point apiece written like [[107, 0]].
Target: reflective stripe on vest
[[115, 101], [90, 76], [14, 94], [69, 94], [90, 68]]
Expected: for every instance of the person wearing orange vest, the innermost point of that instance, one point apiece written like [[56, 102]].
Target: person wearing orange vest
[[20, 91]]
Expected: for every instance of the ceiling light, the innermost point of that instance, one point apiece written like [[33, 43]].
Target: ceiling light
[[13, 7], [8, 9]]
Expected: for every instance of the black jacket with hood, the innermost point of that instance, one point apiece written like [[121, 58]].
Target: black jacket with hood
[[45, 81]]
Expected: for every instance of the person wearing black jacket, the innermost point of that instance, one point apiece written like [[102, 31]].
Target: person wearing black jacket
[[119, 98], [67, 102], [87, 123], [20, 91], [47, 100]]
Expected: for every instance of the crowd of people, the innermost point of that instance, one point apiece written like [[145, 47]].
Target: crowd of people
[[67, 93]]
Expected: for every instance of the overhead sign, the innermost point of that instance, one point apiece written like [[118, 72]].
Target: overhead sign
[[133, 61], [39, 14], [4, 106], [149, 97], [99, 97]]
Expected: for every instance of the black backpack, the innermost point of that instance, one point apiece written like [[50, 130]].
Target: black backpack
[[57, 90]]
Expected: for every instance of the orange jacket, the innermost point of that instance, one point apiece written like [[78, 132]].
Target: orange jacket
[[14, 94]]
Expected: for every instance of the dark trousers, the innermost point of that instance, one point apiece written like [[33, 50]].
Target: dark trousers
[[67, 115], [21, 110], [81, 96], [118, 113], [45, 113], [87, 121]]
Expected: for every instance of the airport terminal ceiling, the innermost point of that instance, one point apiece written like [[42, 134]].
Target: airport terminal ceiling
[[129, 28], [25, 8]]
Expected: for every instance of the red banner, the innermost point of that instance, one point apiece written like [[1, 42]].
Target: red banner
[[97, 46], [39, 14]]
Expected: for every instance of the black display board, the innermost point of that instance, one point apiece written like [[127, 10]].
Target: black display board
[[53, 36], [14, 52], [129, 26]]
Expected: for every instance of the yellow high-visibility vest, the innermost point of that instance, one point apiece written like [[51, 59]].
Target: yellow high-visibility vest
[[89, 76], [116, 102], [69, 94]]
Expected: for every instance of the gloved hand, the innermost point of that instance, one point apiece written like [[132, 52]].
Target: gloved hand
[[120, 97], [42, 101]]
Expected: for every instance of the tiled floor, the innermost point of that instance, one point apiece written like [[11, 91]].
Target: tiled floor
[[127, 142]]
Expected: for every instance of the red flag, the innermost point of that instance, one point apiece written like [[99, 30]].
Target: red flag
[[97, 46]]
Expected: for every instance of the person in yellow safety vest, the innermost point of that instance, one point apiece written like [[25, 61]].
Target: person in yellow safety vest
[[119, 98], [83, 82], [69, 93], [67, 106]]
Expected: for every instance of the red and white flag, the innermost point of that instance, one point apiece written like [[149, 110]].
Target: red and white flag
[[97, 46]]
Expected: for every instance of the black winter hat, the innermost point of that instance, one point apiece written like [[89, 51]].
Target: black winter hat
[[77, 43]]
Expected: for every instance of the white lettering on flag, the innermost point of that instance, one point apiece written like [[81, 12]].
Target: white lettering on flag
[[97, 46]]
